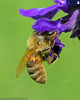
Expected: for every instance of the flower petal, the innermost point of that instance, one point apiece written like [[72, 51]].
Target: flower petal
[[58, 43], [76, 30], [64, 24], [37, 13], [44, 24], [71, 22], [48, 12], [63, 5]]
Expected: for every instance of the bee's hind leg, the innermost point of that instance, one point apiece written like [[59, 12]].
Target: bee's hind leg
[[50, 58]]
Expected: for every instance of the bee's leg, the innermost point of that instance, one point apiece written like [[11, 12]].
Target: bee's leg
[[55, 57], [52, 43], [50, 58], [46, 50]]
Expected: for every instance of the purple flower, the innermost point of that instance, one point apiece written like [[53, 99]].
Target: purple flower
[[65, 24], [49, 12], [44, 22], [43, 17]]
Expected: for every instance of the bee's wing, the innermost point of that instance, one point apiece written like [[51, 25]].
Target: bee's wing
[[23, 62]]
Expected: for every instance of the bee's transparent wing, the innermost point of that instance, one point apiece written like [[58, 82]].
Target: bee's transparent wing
[[23, 62]]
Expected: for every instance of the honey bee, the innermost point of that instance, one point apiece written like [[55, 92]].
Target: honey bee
[[39, 45]]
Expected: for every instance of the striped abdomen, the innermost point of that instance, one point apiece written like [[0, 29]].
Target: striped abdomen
[[36, 69]]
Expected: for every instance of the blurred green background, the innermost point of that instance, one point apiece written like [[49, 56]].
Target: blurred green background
[[63, 77]]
